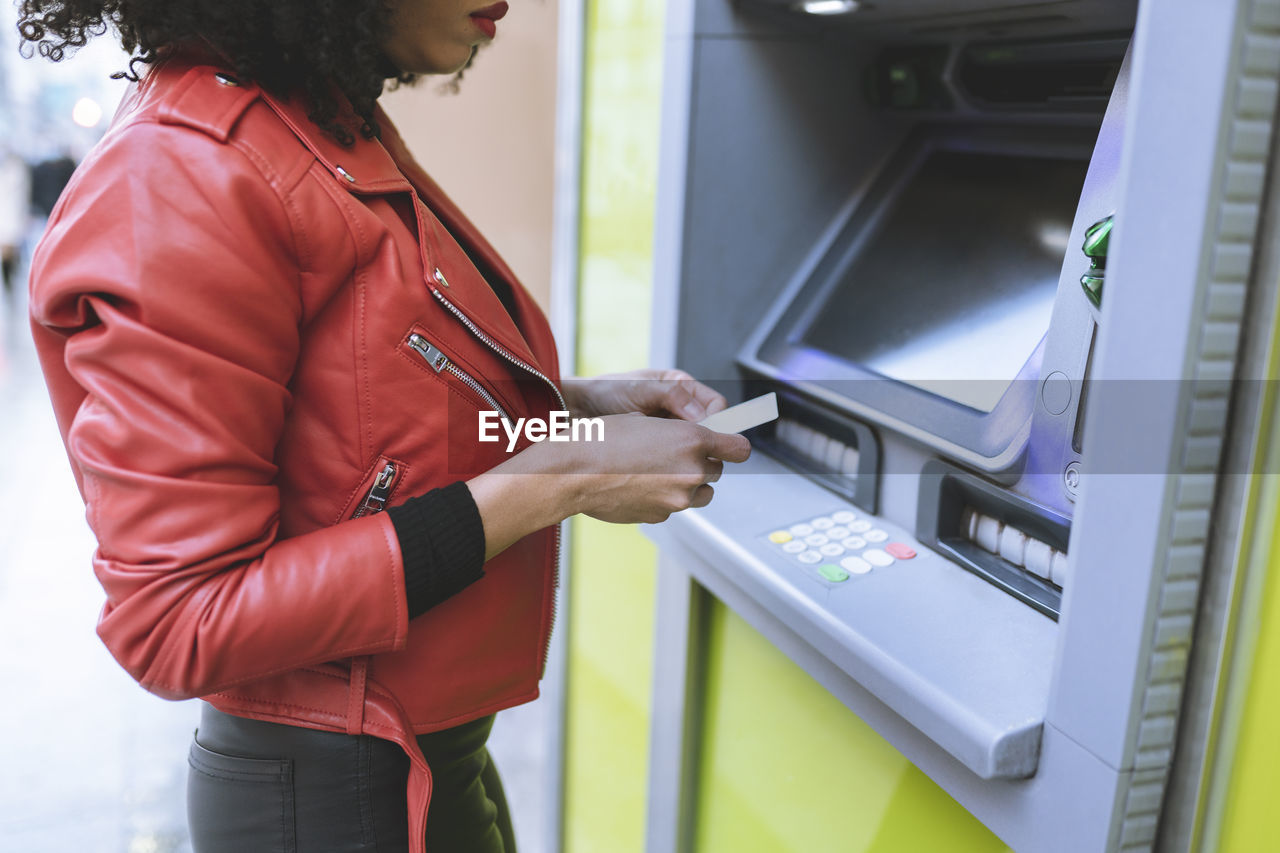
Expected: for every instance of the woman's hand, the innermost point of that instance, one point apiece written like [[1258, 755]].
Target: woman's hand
[[643, 470], [662, 393], [647, 468]]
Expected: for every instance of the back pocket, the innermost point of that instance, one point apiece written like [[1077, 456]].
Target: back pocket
[[239, 804]]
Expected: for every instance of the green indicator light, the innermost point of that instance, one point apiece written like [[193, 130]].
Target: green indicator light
[[835, 574], [1092, 285], [1096, 242], [1097, 239]]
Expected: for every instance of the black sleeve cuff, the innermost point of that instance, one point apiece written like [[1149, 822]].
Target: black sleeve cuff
[[442, 545]]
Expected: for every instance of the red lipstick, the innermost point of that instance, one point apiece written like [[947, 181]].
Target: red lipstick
[[486, 19]]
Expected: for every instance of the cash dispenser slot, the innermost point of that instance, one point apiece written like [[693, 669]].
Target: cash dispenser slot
[[837, 452], [1044, 76], [1015, 544], [1069, 75]]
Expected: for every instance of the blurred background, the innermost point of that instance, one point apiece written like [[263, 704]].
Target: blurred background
[[92, 761]]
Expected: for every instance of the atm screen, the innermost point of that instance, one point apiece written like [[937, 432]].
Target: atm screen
[[953, 290]]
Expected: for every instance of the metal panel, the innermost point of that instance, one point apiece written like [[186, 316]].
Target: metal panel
[[564, 322]]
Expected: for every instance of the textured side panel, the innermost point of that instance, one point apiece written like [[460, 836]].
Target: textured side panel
[[1238, 207], [610, 620]]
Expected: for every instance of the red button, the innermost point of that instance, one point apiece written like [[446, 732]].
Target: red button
[[902, 552]]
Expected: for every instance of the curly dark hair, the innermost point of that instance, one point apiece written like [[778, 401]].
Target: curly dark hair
[[286, 46]]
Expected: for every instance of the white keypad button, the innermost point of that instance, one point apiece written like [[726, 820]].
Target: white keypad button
[[875, 535], [839, 532], [810, 557], [1039, 558], [835, 452], [854, 543], [822, 523], [988, 533], [876, 557], [1059, 568], [1013, 545], [831, 549], [860, 526], [801, 529], [795, 546], [816, 539], [855, 565], [843, 517]]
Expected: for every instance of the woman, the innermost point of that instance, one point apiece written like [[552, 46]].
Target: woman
[[269, 338]]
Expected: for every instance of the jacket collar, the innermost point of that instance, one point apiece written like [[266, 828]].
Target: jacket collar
[[386, 165], [365, 167], [373, 167]]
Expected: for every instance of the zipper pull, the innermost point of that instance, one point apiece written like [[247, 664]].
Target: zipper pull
[[376, 500], [438, 360]]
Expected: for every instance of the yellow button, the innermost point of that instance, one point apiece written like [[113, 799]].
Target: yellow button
[[779, 536]]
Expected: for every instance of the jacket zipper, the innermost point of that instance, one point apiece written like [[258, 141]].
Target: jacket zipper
[[376, 500], [502, 351], [439, 361]]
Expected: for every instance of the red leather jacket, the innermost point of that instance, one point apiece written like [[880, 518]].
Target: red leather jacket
[[254, 339]]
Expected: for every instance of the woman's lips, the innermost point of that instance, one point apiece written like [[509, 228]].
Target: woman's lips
[[486, 19]]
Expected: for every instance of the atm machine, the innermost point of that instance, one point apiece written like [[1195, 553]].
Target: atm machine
[[997, 258]]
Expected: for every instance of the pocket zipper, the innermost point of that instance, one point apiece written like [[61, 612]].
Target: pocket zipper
[[439, 361], [376, 500]]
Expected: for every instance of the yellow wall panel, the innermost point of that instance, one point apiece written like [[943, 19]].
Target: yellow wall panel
[[786, 767]]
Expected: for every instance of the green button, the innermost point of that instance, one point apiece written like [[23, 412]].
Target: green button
[[835, 574], [1092, 284], [1096, 242]]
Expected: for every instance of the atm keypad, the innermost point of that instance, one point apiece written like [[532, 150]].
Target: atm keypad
[[839, 545]]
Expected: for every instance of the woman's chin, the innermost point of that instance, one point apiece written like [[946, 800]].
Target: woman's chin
[[448, 64]]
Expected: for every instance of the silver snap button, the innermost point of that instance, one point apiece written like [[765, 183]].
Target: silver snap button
[[351, 179], [226, 79], [439, 276]]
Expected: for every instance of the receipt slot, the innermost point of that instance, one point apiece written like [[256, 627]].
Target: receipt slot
[[984, 515]]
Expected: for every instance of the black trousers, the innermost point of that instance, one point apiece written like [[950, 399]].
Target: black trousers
[[261, 787]]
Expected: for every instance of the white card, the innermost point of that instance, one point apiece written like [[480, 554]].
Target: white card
[[744, 416]]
